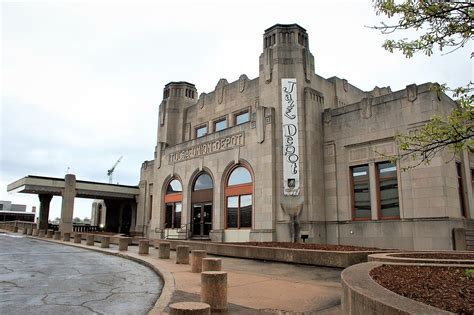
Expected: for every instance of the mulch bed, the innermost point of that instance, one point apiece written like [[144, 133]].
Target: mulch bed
[[436, 256], [307, 246], [447, 288]]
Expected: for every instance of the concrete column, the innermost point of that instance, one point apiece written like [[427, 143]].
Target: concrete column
[[123, 244], [143, 247], [15, 229], [50, 234], [57, 235], [77, 238], [214, 290], [67, 207], [45, 201], [42, 233], [182, 254], [29, 231], [373, 191], [196, 260], [211, 264], [90, 239], [25, 230], [66, 236], [190, 308], [104, 243], [35, 232], [164, 250]]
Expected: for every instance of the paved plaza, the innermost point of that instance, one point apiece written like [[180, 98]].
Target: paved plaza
[[38, 277]]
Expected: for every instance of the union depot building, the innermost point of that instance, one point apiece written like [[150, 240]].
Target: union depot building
[[291, 155]]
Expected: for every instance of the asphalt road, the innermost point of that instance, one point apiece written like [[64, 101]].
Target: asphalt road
[[38, 277]]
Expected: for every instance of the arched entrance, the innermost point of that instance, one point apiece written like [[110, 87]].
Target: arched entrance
[[201, 209]]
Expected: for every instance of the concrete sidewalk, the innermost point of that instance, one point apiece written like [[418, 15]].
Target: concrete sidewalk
[[254, 287]]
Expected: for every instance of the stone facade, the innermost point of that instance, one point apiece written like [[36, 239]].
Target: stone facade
[[304, 176]]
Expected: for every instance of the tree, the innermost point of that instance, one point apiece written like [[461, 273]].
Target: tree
[[443, 24]]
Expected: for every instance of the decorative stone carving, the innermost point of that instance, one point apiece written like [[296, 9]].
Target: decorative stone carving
[[327, 115], [366, 107], [345, 85], [307, 64], [162, 113], [202, 96], [268, 67], [242, 82], [260, 121], [412, 92], [220, 88]]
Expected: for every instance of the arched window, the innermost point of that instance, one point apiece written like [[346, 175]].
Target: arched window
[[173, 204], [204, 181], [238, 198]]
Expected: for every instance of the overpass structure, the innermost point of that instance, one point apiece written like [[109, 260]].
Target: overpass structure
[[120, 200]]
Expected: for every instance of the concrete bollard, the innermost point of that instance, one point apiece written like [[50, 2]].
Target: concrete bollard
[[24, 231], [214, 290], [105, 241], [196, 260], [190, 308], [90, 239], [77, 238], [182, 254], [57, 235], [29, 231], [41, 233], [35, 232], [143, 247], [49, 234], [123, 244], [164, 250], [15, 229], [66, 236], [211, 264]]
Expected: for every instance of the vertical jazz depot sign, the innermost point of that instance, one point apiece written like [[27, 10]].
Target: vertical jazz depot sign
[[291, 156]]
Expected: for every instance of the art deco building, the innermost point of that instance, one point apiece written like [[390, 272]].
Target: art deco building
[[291, 154]]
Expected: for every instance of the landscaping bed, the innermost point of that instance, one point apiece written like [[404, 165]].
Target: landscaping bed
[[436, 255], [307, 246], [447, 288]]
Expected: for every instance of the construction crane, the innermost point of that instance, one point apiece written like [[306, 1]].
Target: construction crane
[[110, 172]]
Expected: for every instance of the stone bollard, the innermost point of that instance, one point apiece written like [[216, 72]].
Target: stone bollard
[[123, 244], [164, 250], [35, 232], [211, 264], [214, 290], [15, 229], [196, 260], [29, 231], [57, 235], [104, 243], [49, 234], [41, 233], [24, 231], [143, 247], [90, 239], [182, 254], [190, 308], [77, 238], [66, 236]]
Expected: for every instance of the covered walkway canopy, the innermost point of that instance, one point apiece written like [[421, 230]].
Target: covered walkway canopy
[[120, 199]]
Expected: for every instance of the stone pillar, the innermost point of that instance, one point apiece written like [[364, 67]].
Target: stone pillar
[[164, 250], [45, 201], [211, 264], [190, 308], [49, 234], [143, 247], [15, 229], [182, 254], [214, 290], [66, 236], [77, 238], [459, 239], [123, 243], [196, 260], [57, 235], [90, 239], [29, 231], [67, 207], [34, 232], [104, 243], [25, 230], [41, 233]]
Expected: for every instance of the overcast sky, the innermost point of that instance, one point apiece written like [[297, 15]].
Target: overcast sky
[[81, 83]]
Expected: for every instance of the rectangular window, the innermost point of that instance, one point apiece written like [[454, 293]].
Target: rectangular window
[[388, 190], [245, 213], [232, 212], [242, 118], [462, 202], [177, 215], [201, 131], [220, 125], [360, 192], [173, 215], [169, 215]]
